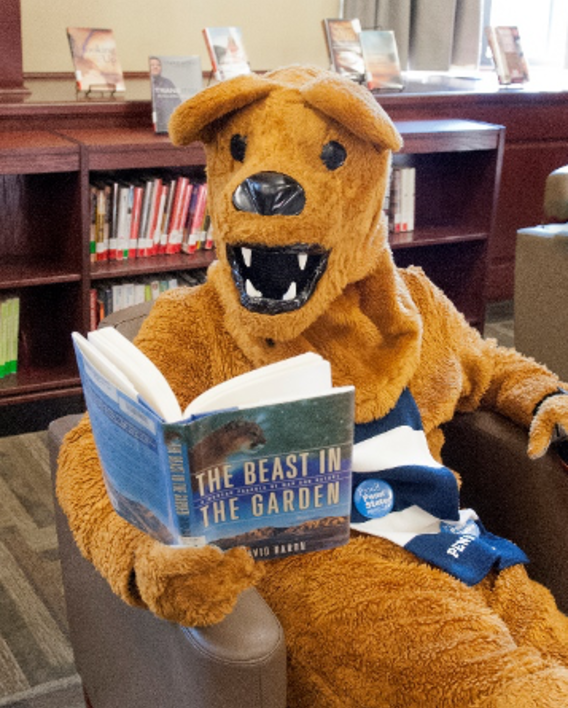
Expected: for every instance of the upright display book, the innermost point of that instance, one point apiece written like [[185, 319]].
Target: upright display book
[[226, 51], [262, 460], [173, 80], [382, 64], [95, 58], [508, 57], [344, 48]]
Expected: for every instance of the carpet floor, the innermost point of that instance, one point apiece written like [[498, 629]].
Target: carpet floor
[[36, 659]]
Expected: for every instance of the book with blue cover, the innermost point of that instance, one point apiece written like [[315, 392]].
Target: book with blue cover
[[262, 460]]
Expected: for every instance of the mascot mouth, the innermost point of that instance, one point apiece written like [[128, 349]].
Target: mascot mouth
[[272, 280]]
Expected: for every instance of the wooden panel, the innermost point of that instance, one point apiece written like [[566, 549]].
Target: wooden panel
[[134, 149]]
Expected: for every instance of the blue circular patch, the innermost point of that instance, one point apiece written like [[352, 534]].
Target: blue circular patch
[[374, 498]]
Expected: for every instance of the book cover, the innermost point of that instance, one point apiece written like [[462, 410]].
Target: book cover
[[344, 48], [382, 64], [173, 79], [226, 51], [508, 57], [262, 460], [95, 57]]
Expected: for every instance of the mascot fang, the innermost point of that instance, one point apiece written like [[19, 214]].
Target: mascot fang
[[422, 607]]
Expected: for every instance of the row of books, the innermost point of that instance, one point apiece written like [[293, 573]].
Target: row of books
[[399, 204], [114, 295], [9, 333], [146, 216]]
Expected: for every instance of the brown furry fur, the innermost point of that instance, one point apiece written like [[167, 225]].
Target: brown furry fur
[[366, 624]]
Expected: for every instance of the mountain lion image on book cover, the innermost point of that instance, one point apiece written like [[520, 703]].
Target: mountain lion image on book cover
[[423, 606]]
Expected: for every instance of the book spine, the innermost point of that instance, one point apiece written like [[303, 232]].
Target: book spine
[[211, 52], [196, 227], [94, 223], [137, 197], [180, 495]]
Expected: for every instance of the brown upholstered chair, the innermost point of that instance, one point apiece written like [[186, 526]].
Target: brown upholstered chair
[[127, 657], [541, 281]]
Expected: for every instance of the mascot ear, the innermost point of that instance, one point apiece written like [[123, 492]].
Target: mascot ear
[[191, 120], [354, 107]]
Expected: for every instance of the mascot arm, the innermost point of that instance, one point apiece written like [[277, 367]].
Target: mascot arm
[[494, 377], [194, 587]]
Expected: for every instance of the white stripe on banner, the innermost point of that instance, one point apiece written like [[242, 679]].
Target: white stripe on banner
[[401, 527], [401, 446]]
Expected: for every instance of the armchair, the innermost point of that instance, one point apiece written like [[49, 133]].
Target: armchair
[[541, 282], [128, 657]]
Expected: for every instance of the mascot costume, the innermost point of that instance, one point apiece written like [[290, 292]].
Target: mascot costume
[[422, 607]]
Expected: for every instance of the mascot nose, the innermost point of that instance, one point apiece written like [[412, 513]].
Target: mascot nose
[[268, 194]]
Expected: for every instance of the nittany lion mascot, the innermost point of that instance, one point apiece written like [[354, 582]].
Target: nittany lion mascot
[[423, 607]]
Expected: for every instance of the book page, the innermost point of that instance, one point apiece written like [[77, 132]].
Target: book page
[[295, 378], [145, 376], [106, 368]]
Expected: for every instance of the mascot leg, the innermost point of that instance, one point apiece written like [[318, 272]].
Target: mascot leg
[[530, 613], [369, 625]]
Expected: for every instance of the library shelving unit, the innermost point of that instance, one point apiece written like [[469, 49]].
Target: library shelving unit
[[458, 165], [44, 230]]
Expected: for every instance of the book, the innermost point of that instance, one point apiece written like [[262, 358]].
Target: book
[[173, 79], [382, 64], [344, 48], [226, 52], [262, 460], [9, 333], [95, 58], [508, 57]]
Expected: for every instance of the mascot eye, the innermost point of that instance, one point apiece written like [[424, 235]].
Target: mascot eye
[[333, 155], [238, 147]]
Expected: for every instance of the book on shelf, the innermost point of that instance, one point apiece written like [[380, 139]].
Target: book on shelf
[[344, 48], [95, 58], [400, 197], [262, 460], [9, 335], [173, 79], [226, 51], [508, 56], [382, 63]]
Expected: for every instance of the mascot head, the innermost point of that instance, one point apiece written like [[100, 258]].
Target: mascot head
[[297, 164]]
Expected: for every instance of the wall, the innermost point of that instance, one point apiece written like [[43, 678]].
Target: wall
[[275, 32]]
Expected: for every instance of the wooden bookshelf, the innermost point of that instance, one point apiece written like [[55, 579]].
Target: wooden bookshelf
[[458, 165], [44, 233]]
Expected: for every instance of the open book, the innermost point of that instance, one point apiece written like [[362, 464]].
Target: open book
[[262, 460]]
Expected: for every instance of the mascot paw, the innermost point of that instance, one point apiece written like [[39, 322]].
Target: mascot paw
[[550, 424], [193, 586]]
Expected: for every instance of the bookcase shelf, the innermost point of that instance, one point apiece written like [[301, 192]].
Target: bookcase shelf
[[44, 230]]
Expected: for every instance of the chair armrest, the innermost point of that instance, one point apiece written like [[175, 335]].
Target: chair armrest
[[129, 657], [518, 498]]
